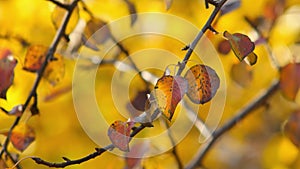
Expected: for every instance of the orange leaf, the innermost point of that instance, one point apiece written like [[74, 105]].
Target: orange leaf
[[240, 44], [119, 134], [55, 70], [203, 83], [22, 136], [7, 66], [290, 80], [241, 73], [96, 31], [35, 57], [168, 92], [292, 128]]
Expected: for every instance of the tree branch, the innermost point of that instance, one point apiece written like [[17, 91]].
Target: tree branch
[[261, 99], [199, 36], [59, 34]]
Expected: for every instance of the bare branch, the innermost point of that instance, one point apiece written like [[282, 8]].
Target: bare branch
[[52, 49], [260, 100], [199, 36]]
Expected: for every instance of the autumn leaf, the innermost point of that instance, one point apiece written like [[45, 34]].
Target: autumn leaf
[[96, 32], [224, 47], [7, 66], [242, 46], [241, 73], [290, 80], [203, 83], [34, 59], [292, 128], [22, 136], [168, 92], [58, 15], [55, 70], [119, 134], [132, 11]]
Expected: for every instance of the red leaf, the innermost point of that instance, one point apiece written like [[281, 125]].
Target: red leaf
[[22, 136], [119, 134], [168, 92], [292, 128], [240, 44], [203, 83], [224, 47], [7, 66], [290, 80]]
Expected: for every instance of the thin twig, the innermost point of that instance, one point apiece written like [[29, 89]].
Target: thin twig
[[40, 73], [206, 27], [260, 100]]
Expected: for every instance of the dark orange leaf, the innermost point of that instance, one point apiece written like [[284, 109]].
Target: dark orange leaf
[[168, 92], [132, 11], [240, 44], [292, 128], [224, 47], [22, 136], [55, 70], [35, 57], [241, 73], [290, 80], [7, 66], [203, 83], [96, 31], [119, 134]]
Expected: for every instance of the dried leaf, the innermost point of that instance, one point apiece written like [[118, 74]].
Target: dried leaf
[[203, 83], [119, 134], [290, 80], [292, 128], [7, 66], [241, 73], [96, 31], [22, 136], [132, 11], [168, 4], [55, 70], [224, 47], [241, 44], [168, 92], [58, 15], [34, 58]]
